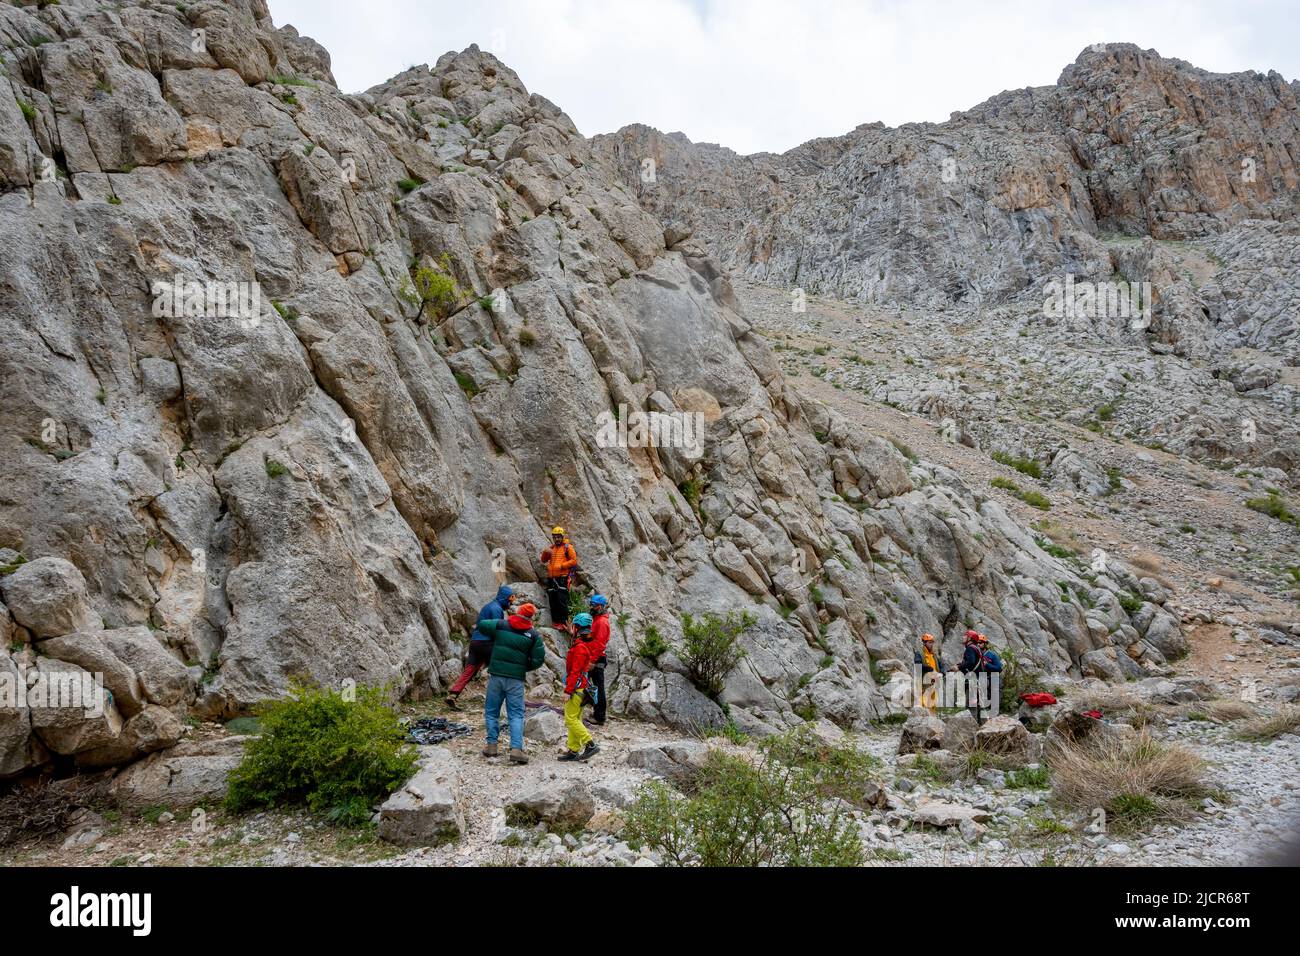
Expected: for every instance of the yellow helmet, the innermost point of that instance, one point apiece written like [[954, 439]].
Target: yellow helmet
[[926, 637], [557, 530]]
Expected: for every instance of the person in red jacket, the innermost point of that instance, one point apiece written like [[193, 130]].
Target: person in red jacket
[[599, 605], [577, 662]]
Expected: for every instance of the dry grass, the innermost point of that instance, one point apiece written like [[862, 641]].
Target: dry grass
[[1137, 782], [1224, 711], [1284, 720]]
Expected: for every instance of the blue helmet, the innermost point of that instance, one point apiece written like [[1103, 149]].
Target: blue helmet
[[599, 600], [582, 620]]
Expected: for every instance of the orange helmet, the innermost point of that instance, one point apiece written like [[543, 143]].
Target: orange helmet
[[927, 638]]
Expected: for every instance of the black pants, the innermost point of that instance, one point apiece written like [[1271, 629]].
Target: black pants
[[597, 675], [557, 591]]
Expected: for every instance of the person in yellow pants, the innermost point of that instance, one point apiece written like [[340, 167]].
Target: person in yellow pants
[[582, 654]]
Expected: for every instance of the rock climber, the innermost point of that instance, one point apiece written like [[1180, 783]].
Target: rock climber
[[599, 607], [479, 651], [561, 562], [517, 648], [577, 685]]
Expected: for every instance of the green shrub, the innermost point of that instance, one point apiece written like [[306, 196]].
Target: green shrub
[[1275, 507], [317, 749], [1026, 466], [783, 810], [1032, 498], [1026, 779], [274, 469], [29, 111], [1130, 603], [409, 184], [710, 648], [651, 645], [467, 384], [427, 287]]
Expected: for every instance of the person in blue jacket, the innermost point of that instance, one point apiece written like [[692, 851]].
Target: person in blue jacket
[[480, 645]]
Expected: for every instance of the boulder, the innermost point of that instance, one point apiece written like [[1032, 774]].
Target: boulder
[[190, 774], [427, 810], [545, 726], [48, 597], [921, 731], [959, 732], [678, 763], [164, 679], [941, 813], [560, 804], [70, 711], [1003, 735]]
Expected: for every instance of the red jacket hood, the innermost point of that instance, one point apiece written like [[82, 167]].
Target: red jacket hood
[[519, 623]]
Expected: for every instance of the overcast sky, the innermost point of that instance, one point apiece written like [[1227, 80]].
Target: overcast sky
[[770, 74]]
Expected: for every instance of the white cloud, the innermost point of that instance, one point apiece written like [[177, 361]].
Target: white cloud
[[770, 74]]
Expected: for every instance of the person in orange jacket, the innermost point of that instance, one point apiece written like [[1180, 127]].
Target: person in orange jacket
[[561, 561]]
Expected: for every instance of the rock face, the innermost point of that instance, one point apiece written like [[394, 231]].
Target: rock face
[[233, 437], [427, 811], [971, 209]]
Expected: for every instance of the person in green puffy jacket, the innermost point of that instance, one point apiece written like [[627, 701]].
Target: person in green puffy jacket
[[516, 649]]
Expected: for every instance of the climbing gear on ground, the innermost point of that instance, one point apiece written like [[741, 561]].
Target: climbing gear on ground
[[434, 730]]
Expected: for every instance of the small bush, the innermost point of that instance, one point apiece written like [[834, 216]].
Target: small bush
[[710, 648], [467, 384], [1130, 603], [409, 184], [1026, 466], [317, 749], [651, 645], [1038, 778], [1284, 721], [527, 337], [784, 809], [274, 469], [1136, 782], [427, 287], [29, 111], [1275, 507]]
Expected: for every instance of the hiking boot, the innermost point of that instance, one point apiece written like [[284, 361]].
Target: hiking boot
[[589, 751], [490, 750], [451, 701], [597, 723], [567, 755], [518, 756]]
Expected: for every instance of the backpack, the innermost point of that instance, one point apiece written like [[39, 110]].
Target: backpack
[[990, 661]]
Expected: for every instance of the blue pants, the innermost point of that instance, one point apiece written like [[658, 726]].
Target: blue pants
[[509, 691]]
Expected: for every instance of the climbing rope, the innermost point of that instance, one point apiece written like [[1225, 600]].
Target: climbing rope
[[434, 730]]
